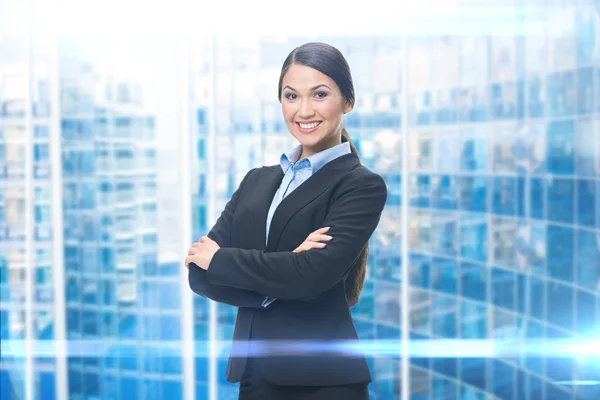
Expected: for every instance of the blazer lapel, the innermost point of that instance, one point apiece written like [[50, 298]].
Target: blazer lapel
[[269, 182], [310, 189]]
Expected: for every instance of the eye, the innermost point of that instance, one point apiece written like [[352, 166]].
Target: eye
[[321, 95], [290, 96]]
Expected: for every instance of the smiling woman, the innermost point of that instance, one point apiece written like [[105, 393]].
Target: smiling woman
[[290, 248]]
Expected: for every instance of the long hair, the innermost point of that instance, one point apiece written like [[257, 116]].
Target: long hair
[[329, 61]]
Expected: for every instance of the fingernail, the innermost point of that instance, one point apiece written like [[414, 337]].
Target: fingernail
[[327, 227], [328, 237], [323, 244]]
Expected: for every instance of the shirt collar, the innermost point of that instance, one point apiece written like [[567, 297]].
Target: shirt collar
[[316, 161]]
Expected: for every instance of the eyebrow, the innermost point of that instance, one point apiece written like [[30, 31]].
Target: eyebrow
[[313, 88]]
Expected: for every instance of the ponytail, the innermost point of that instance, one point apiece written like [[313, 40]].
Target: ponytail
[[355, 280], [346, 138]]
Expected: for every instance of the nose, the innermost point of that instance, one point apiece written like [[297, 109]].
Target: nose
[[306, 109]]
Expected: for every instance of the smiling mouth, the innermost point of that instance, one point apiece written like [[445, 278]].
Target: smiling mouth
[[308, 126]]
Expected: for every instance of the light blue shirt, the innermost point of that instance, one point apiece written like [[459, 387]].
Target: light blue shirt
[[296, 172]]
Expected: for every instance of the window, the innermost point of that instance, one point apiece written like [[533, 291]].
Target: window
[[561, 198], [473, 234], [503, 285], [560, 253], [474, 281], [560, 144]]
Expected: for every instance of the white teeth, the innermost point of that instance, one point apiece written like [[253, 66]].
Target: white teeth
[[309, 126]]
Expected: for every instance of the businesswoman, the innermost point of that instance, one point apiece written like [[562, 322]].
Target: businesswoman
[[290, 248]]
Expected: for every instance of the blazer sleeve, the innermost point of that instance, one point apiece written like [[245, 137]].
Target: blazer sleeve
[[352, 219], [221, 233]]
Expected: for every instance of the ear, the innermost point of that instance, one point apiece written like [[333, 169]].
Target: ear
[[347, 107]]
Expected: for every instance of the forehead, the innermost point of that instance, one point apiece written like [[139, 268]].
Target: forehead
[[301, 77]]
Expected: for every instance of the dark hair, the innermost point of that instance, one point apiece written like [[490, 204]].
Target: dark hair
[[329, 61]]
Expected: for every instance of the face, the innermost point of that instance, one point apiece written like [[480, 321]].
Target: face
[[313, 108]]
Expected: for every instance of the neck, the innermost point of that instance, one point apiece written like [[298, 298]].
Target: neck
[[328, 143]]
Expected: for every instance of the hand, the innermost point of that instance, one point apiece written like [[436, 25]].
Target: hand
[[202, 252], [313, 240]]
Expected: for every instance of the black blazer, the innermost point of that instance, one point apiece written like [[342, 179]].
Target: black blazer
[[311, 306]]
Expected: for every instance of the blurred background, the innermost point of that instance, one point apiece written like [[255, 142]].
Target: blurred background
[[125, 128]]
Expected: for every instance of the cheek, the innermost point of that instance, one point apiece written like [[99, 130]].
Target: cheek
[[330, 110], [288, 110]]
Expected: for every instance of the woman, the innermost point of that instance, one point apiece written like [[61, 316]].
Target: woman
[[293, 318]]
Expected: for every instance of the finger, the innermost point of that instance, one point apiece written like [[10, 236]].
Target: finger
[[312, 244], [321, 230], [188, 260], [319, 238], [303, 247], [204, 239]]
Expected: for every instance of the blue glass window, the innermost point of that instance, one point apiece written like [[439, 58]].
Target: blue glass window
[[90, 291], [444, 192], [561, 88], [586, 149], [40, 131], [171, 361], [473, 281], [474, 155], [420, 190], [170, 327], [585, 313], [88, 196], [474, 372], [473, 237], [473, 323], [597, 80], [444, 388], [90, 323], [444, 275], [588, 259], [69, 129], [536, 298], [108, 292], [170, 296], [419, 271], [443, 313], [559, 309], [86, 163], [41, 152], [587, 200], [107, 259], [447, 143], [150, 294], [561, 193], [503, 288], [444, 233], [560, 144], [537, 102], [505, 196], [89, 262], [109, 324], [74, 382], [473, 193], [73, 322], [585, 90], [152, 326], [129, 388], [127, 326], [503, 379], [560, 253]]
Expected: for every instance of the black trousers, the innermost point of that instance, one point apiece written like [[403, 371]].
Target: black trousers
[[252, 387]]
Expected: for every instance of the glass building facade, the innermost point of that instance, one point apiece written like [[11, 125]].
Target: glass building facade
[[485, 265]]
